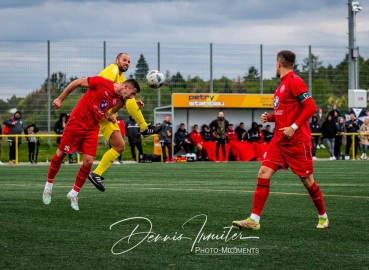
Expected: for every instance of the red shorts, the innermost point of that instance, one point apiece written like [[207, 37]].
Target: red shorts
[[298, 157], [80, 139]]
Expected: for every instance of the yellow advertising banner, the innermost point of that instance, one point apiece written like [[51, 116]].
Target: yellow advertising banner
[[207, 100]]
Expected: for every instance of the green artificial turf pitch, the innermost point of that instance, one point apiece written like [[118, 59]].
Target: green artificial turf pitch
[[178, 216]]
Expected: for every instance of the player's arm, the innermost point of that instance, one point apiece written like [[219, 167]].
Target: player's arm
[[69, 89], [309, 108], [265, 117]]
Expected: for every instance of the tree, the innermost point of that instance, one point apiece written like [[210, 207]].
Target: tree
[[316, 64], [142, 68], [252, 75], [177, 82]]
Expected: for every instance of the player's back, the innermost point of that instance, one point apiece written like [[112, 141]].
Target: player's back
[[111, 72], [288, 107]]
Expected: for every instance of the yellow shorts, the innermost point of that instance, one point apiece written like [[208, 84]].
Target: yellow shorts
[[107, 128]]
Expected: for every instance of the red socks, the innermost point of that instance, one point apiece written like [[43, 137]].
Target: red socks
[[54, 167], [260, 195], [317, 198], [81, 177]]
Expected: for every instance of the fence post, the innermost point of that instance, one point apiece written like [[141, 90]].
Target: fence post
[[310, 72], [104, 54], [48, 92], [211, 68], [261, 70], [159, 92]]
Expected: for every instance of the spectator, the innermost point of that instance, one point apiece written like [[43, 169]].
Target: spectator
[[321, 119], [182, 140], [1, 138], [16, 125], [205, 133], [134, 137], [314, 128], [352, 126], [197, 140], [253, 133], [59, 129], [219, 128], [341, 129], [335, 113], [31, 130], [364, 139], [231, 134], [241, 132], [260, 127], [165, 138], [268, 135], [329, 130]]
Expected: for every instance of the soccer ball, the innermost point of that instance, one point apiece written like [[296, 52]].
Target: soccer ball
[[155, 79]]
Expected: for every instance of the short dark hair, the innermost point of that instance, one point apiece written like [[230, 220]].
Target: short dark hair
[[241, 123], [195, 125], [182, 124], [287, 58], [133, 83], [120, 54]]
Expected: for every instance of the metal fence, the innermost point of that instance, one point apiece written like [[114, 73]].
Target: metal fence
[[26, 67]]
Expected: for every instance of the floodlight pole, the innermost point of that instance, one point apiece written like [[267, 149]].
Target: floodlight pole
[[353, 8]]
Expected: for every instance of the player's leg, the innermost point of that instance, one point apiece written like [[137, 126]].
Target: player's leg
[[300, 161], [224, 149], [317, 198], [135, 112], [54, 167], [273, 161], [81, 177], [112, 134], [217, 144], [139, 149]]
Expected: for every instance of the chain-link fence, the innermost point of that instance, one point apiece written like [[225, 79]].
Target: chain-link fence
[[33, 73]]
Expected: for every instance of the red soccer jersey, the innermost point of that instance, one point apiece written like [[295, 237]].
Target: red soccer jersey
[[196, 138], [98, 99], [231, 135], [288, 107]]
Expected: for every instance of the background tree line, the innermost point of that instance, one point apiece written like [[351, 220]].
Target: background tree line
[[329, 86]]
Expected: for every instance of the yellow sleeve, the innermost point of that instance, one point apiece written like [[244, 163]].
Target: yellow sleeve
[[112, 73]]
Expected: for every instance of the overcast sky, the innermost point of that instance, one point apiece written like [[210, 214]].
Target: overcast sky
[[283, 22], [146, 22]]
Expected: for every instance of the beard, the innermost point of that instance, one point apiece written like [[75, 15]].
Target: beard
[[123, 68]]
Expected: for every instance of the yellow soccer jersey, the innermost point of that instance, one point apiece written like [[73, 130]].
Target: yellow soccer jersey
[[112, 73]]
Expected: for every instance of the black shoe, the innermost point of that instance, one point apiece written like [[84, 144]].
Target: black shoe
[[96, 181], [151, 130]]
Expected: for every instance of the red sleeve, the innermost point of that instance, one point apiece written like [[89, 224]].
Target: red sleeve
[[122, 127], [309, 108], [271, 117]]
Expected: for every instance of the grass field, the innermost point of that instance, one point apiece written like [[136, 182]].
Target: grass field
[[188, 207]]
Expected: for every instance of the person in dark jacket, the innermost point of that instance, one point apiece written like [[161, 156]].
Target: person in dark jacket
[[352, 126], [241, 132], [165, 138], [314, 128], [329, 130], [341, 130], [219, 128], [182, 140], [16, 125], [59, 129], [134, 137], [253, 134], [31, 130], [335, 113], [268, 135], [205, 133]]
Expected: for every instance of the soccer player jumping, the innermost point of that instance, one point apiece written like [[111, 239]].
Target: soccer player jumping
[[291, 144]]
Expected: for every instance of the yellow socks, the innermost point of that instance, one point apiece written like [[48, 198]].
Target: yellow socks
[[136, 113], [108, 158]]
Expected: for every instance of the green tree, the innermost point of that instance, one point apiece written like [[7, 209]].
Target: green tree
[[142, 68], [177, 82], [316, 64], [252, 74]]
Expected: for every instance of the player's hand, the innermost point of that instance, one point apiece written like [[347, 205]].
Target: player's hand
[[57, 103], [264, 117], [287, 132], [140, 103], [112, 119]]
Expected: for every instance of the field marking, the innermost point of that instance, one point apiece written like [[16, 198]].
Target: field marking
[[205, 190]]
